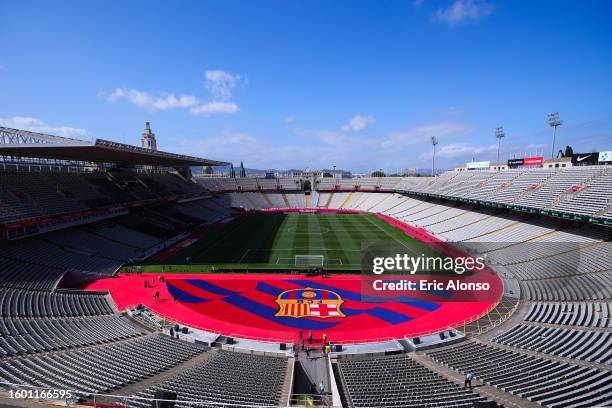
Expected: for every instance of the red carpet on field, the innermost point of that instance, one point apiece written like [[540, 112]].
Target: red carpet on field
[[275, 307]]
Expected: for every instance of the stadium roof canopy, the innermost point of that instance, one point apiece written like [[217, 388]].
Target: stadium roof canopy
[[23, 143]]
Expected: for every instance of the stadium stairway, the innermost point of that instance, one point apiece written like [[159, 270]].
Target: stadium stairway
[[380, 203], [604, 212], [329, 199], [268, 201], [288, 383], [311, 370], [348, 200], [483, 235], [286, 201], [398, 203], [492, 393], [251, 200]]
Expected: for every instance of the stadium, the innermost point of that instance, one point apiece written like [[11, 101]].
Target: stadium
[[305, 203], [129, 281]]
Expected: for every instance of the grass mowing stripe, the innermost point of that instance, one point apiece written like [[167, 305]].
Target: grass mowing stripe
[[262, 240], [341, 239], [330, 239], [285, 240], [352, 239], [256, 246], [403, 243], [222, 234], [303, 238]]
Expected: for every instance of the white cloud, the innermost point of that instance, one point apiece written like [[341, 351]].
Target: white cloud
[[213, 107], [394, 150], [465, 151], [421, 134], [359, 123], [144, 100], [332, 138], [37, 125], [321, 148], [289, 119], [237, 146], [171, 102], [462, 10], [220, 84]]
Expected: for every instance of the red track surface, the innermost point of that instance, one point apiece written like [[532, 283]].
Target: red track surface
[[217, 315]]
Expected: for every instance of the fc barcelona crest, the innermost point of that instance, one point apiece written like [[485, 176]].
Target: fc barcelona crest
[[309, 302]]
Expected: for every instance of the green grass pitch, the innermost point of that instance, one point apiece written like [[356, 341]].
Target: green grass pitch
[[271, 241]]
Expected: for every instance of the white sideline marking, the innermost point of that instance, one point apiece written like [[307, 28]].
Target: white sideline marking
[[392, 237]]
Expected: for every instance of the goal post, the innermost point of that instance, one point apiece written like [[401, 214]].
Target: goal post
[[309, 261]]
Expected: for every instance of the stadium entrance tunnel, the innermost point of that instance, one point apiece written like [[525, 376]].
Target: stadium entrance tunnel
[[277, 306]]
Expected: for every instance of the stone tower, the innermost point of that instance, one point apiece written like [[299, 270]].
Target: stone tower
[[148, 138]]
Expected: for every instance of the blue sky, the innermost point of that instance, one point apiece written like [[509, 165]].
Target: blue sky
[[289, 84]]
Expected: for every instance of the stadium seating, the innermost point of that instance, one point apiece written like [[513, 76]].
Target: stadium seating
[[41, 192], [26, 275], [26, 336], [572, 314], [288, 184], [327, 183], [41, 304], [398, 381], [39, 250], [595, 346], [296, 200], [590, 200], [557, 356], [99, 368], [226, 379], [548, 382], [14, 206], [558, 184]]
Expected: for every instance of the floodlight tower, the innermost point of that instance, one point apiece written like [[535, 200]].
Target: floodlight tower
[[434, 142], [554, 122], [334, 175], [499, 135]]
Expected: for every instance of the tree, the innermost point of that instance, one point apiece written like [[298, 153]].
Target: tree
[[378, 173], [568, 151], [208, 170], [327, 174]]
